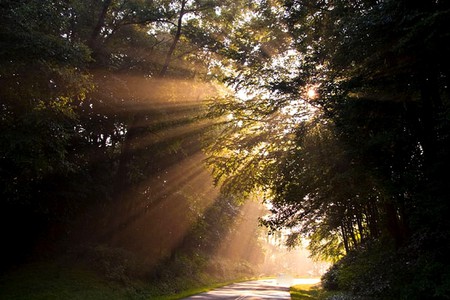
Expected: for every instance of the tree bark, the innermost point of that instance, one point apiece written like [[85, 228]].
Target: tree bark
[[393, 224], [98, 27], [176, 38], [344, 238]]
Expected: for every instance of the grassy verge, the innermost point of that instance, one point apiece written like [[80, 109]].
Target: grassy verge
[[199, 290], [50, 281], [308, 292], [42, 281], [303, 292]]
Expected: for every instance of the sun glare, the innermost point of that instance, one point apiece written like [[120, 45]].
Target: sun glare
[[311, 93]]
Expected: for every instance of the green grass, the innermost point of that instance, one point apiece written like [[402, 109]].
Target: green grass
[[53, 281], [308, 292], [203, 289], [303, 292], [194, 291]]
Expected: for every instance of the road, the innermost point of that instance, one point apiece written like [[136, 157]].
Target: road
[[254, 290]]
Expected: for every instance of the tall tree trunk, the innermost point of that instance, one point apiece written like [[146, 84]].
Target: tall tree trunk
[[98, 27], [345, 238], [373, 220], [176, 38], [352, 234], [393, 224], [360, 227]]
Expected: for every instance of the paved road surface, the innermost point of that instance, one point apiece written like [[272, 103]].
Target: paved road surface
[[253, 290]]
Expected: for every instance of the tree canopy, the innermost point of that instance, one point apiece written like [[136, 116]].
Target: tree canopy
[[100, 101], [365, 170]]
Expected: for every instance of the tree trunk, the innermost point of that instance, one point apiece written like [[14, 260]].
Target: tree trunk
[[373, 220], [360, 228], [98, 27], [352, 234], [393, 224], [176, 38], [344, 238]]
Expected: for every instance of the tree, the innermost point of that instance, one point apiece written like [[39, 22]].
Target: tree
[[43, 79], [256, 121], [383, 94], [101, 102]]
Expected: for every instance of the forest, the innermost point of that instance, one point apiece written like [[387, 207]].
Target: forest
[[141, 138]]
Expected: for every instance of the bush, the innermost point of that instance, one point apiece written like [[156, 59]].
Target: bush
[[362, 273], [176, 273], [384, 272], [330, 278], [115, 264]]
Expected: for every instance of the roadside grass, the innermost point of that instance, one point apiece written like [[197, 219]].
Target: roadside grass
[[195, 291], [53, 281], [308, 292], [303, 291], [205, 288]]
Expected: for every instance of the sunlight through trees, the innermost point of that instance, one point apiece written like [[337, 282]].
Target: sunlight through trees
[[164, 131]]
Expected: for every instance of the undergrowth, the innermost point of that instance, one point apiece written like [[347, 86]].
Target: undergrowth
[[105, 273]]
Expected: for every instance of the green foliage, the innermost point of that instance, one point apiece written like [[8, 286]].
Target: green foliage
[[89, 132], [85, 120], [102, 272], [186, 272], [369, 172], [322, 192], [409, 276], [40, 91], [113, 264]]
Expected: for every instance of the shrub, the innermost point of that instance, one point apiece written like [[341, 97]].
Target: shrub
[[363, 273], [384, 272], [112, 263]]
